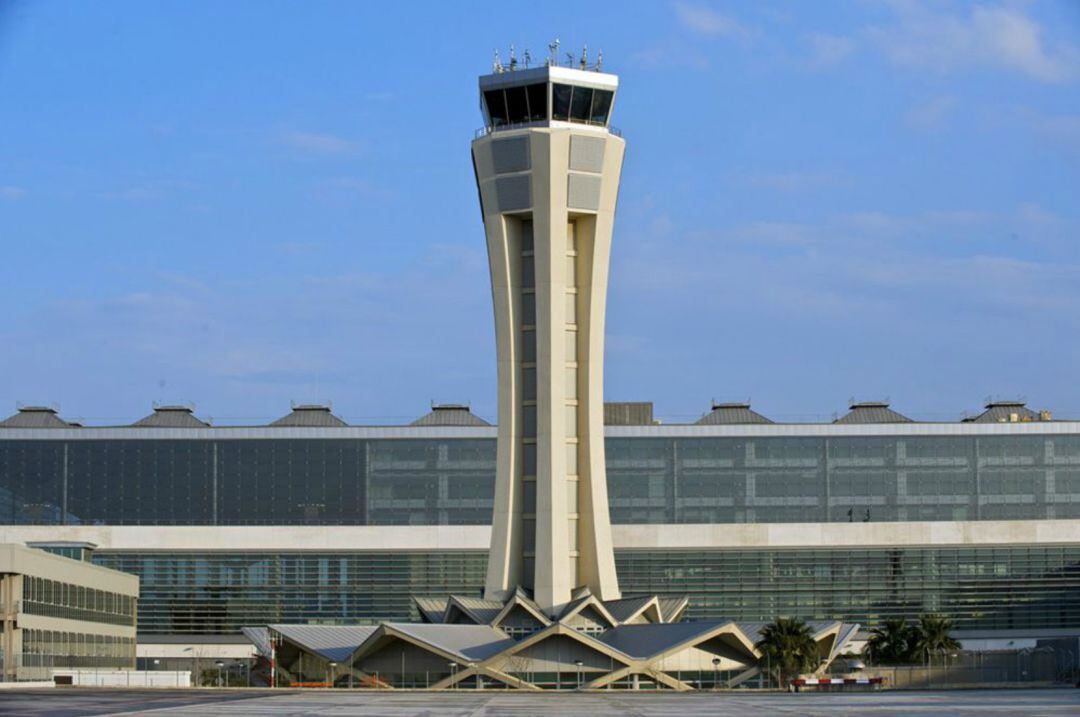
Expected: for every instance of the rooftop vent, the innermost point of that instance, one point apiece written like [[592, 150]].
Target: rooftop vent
[[871, 412], [731, 413], [450, 414], [35, 417], [172, 416], [317, 415], [1008, 410], [628, 413]]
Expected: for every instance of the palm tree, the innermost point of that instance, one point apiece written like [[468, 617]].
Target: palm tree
[[891, 642], [787, 646], [931, 635]]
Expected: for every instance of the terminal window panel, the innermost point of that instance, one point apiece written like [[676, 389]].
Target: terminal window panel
[[451, 481], [218, 593], [31, 482], [982, 588], [1006, 587]]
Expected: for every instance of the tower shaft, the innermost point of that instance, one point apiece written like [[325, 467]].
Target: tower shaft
[[548, 196]]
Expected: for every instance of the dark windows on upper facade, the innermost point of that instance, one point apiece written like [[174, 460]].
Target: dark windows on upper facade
[[580, 104], [524, 104], [517, 105]]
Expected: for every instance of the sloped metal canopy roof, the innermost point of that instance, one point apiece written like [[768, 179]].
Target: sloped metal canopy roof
[[171, 417], [310, 415], [470, 642], [753, 629], [672, 608], [872, 412], [624, 609], [431, 609], [450, 414], [260, 638], [333, 642], [483, 612], [646, 640], [730, 414], [35, 417]]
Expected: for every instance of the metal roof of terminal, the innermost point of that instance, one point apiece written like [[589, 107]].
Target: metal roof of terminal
[[260, 638], [471, 642], [334, 642], [641, 641], [450, 414], [871, 412], [171, 417], [730, 414], [310, 415], [1004, 411], [35, 417]]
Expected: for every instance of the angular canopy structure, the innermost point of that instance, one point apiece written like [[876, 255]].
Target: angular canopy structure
[[562, 654]]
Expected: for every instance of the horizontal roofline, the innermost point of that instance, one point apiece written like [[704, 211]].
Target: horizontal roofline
[[584, 78], [480, 432]]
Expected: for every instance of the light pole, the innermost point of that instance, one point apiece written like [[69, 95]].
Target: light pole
[[453, 672], [578, 664], [930, 668], [219, 664], [715, 673], [333, 673]]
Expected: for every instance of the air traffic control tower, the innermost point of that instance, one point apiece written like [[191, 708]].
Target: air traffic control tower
[[547, 168]]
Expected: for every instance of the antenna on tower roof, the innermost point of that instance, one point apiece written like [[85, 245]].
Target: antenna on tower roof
[[513, 59], [553, 53], [599, 61], [584, 56], [528, 58], [570, 59], [496, 65]]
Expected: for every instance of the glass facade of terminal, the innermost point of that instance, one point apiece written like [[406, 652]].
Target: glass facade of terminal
[[981, 588], [270, 481], [183, 592]]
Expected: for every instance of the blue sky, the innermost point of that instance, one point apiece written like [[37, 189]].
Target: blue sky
[[242, 204]]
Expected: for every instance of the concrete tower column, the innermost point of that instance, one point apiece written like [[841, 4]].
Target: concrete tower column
[[547, 169]]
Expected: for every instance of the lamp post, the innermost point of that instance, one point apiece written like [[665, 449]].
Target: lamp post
[[333, 673], [219, 665], [929, 667], [453, 672], [715, 673], [578, 664]]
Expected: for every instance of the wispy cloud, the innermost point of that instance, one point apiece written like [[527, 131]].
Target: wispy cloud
[[320, 143], [932, 114], [988, 36], [707, 21], [11, 192], [667, 55], [829, 50]]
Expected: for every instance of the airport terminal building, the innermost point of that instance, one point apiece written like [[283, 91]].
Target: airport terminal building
[[309, 520], [312, 520]]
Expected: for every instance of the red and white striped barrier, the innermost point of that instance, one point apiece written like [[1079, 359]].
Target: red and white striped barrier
[[827, 682]]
